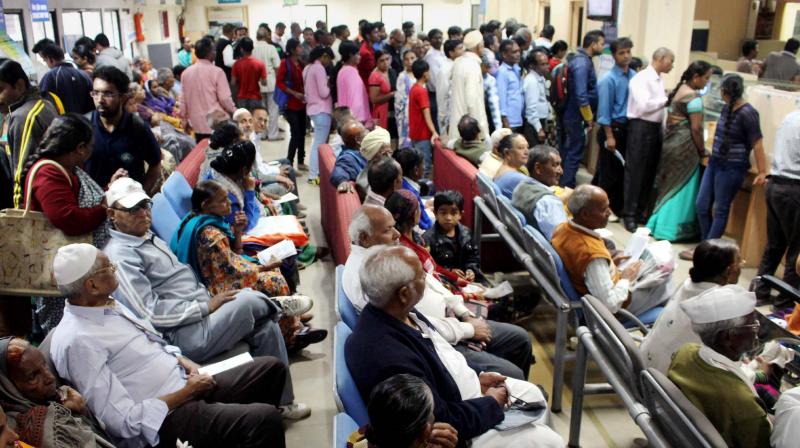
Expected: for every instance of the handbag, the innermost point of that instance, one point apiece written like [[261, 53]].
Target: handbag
[[280, 97], [28, 244]]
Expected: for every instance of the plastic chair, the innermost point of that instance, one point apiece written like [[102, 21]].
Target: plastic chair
[[343, 426], [346, 394], [345, 310], [165, 220], [179, 193], [681, 423], [488, 191], [511, 217]]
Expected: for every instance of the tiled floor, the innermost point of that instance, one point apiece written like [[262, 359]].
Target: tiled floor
[[606, 423]]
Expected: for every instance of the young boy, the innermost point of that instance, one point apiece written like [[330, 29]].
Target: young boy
[[450, 242], [421, 131], [341, 115]]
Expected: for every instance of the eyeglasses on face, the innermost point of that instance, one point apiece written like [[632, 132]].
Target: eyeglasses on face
[[144, 205], [105, 95]]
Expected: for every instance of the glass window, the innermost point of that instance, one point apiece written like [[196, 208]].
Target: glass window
[[73, 24], [393, 16], [43, 30], [14, 28], [111, 28], [93, 24]]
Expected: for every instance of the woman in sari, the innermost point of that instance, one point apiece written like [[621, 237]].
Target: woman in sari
[[405, 81], [514, 150], [380, 90], [678, 176], [46, 416]]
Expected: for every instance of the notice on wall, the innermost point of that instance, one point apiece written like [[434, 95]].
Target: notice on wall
[[39, 11], [2, 19]]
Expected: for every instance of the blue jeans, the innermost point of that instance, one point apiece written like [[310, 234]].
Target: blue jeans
[[322, 127], [721, 181], [572, 150], [425, 147]]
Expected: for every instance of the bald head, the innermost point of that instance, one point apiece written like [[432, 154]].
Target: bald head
[[373, 225], [352, 134], [392, 278], [590, 207], [663, 60]]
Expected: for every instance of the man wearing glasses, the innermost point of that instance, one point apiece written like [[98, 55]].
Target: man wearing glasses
[[121, 140]]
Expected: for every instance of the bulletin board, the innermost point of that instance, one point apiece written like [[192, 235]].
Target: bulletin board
[[217, 16]]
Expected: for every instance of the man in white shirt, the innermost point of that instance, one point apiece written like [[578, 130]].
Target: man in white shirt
[[266, 53], [545, 39], [786, 429], [277, 37], [435, 58], [647, 102], [140, 388], [340, 33], [504, 348], [453, 49], [466, 85]]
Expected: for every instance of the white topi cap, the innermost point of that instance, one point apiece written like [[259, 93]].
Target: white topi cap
[[72, 262], [473, 39], [720, 303]]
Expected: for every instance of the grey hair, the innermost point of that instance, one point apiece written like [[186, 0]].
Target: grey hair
[[524, 33], [163, 74], [75, 288], [580, 198], [540, 154], [708, 332], [661, 53], [360, 225], [382, 274]]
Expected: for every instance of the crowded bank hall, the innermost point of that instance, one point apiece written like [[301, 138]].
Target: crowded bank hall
[[451, 223]]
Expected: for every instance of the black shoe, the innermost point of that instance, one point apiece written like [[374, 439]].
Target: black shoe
[[630, 225], [306, 337]]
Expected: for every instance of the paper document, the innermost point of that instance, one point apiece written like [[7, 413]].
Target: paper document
[[228, 364], [280, 251], [501, 290], [288, 197], [274, 224]]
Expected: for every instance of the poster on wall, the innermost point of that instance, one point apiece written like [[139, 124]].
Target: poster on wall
[[217, 16], [2, 19], [13, 50], [39, 11]]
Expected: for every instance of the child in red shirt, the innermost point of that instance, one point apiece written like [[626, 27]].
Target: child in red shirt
[[421, 131]]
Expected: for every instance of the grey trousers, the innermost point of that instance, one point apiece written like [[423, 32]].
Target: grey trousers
[[274, 115], [241, 411], [250, 317], [509, 353]]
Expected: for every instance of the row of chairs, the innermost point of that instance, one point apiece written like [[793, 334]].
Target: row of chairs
[[352, 410]]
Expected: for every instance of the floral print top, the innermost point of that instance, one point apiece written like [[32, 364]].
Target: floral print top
[[225, 270]]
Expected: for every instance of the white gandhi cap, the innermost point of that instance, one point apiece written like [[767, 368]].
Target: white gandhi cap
[[72, 262], [720, 303]]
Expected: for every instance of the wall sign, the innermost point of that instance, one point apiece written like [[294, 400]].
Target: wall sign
[[39, 11]]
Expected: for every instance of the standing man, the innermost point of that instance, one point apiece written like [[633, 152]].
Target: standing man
[[341, 33], [612, 115], [249, 74], [537, 108], [205, 88], [647, 102], [580, 103], [121, 140], [108, 55], [435, 58], [224, 48], [367, 52], [409, 30], [467, 85], [545, 39], [453, 49], [309, 42], [397, 40], [748, 63], [268, 54], [783, 66], [70, 85], [277, 39], [524, 39], [509, 87], [783, 209], [295, 30]]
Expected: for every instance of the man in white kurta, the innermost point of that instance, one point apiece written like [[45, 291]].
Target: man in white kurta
[[466, 85]]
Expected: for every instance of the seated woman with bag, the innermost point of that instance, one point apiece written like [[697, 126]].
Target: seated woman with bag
[[64, 193], [46, 416]]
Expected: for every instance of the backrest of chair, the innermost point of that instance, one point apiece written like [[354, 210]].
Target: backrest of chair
[[179, 193], [681, 423], [454, 172], [512, 218], [615, 341], [345, 310], [541, 256], [165, 220], [555, 258], [190, 165], [343, 426], [487, 190], [345, 388]]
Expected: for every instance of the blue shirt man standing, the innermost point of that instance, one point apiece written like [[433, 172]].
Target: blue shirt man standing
[[509, 86], [612, 110], [580, 103]]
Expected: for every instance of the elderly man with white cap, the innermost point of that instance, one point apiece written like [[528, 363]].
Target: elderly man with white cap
[[710, 373], [141, 388], [158, 288], [466, 86]]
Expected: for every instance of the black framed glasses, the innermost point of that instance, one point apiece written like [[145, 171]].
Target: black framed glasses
[[96, 94], [144, 205]]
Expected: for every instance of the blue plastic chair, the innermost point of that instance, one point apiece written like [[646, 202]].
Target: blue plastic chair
[[343, 426], [165, 220], [566, 283], [179, 193], [345, 310], [348, 399]]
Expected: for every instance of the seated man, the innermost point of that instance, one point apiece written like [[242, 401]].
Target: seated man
[[537, 199], [491, 163], [277, 177], [141, 388], [487, 345], [470, 146], [160, 289], [350, 161], [392, 338], [709, 374], [590, 265], [413, 166], [786, 431], [384, 177]]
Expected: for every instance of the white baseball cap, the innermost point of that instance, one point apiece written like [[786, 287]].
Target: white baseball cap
[[125, 191]]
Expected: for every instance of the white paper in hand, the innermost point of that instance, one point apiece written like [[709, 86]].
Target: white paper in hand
[[228, 364], [501, 290], [288, 197], [280, 251]]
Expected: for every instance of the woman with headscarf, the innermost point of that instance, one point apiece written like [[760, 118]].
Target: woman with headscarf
[[156, 98], [375, 147], [46, 416]]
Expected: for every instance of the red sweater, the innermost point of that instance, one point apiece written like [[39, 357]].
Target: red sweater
[[296, 79], [367, 63], [53, 196]]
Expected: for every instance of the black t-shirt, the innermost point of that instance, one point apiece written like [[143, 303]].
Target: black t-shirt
[[129, 146]]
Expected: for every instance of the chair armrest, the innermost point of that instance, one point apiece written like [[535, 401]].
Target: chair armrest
[[630, 317], [782, 287]]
